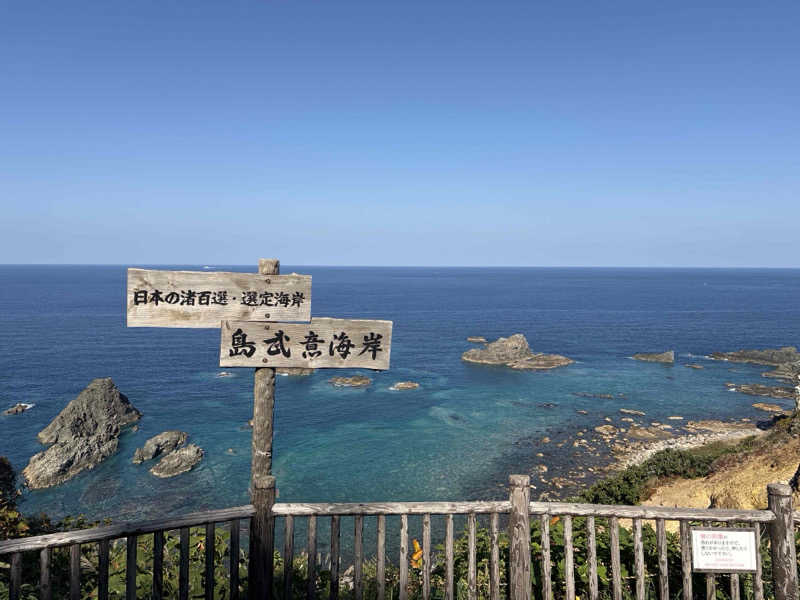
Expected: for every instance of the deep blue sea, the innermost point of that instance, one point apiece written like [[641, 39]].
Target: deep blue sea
[[457, 437]]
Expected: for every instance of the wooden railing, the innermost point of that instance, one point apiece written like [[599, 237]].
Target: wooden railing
[[518, 511]]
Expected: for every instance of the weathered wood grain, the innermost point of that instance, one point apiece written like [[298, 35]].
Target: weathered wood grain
[[183, 572], [494, 557], [781, 534], [711, 581], [613, 526], [209, 561], [663, 565], [686, 560], [547, 567], [102, 570], [262, 483], [131, 544], [233, 559], [192, 298], [121, 530], [758, 582], [321, 344], [403, 557], [449, 559], [358, 560], [45, 586], [650, 512], [591, 551], [426, 557], [335, 539], [569, 560], [388, 508], [75, 572], [519, 537], [638, 550], [15, 581], [472, 569], [380, 569], [311, 548], [158, 565]]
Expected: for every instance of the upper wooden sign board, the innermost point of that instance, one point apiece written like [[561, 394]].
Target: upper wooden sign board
[[321, 344], [206, 298]]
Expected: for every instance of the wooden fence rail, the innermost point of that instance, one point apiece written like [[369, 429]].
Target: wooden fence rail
[[584, 520]]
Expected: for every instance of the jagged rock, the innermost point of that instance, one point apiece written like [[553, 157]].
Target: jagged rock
[[82, 435], [787, 354], [540, 362], [789, 371], [606, 430], [767, 407], [18, 408], [355, 381], [404, 385], [756, 389], [667, 357], [476, 339], [178, 461], [160, 444], [514, 352], [630, 411], [295, 371]]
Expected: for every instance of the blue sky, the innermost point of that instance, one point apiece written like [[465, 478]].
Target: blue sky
[[400, 133]]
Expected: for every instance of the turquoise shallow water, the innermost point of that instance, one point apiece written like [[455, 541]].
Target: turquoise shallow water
[[457, 437]]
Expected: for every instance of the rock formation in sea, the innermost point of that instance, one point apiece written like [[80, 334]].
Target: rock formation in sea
[[756, 389], [17, 409], [82, 435], [667, 357], [178, 461], [404, 385], [354, 381], [786, 361], [160, 444], [772, 357], [514, 352]]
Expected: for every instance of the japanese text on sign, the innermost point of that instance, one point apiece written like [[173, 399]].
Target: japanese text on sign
[[323, 343], [723, 550], [204, 299]]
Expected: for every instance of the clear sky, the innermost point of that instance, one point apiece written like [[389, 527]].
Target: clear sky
[[400, 133]]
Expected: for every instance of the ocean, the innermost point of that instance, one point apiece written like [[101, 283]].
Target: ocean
[[457, 437]]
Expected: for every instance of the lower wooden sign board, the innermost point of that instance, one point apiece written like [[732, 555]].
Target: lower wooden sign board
[[321, 344], [724, 550]]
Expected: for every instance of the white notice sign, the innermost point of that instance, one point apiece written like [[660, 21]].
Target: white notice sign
[[723, 550]]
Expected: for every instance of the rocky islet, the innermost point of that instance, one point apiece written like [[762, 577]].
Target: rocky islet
[[82, 435]]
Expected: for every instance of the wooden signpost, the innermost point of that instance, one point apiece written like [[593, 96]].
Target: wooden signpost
[[253, 312]]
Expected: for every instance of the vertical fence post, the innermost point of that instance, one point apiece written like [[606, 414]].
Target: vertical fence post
[[262, 483], [781, 533], [519, 534]]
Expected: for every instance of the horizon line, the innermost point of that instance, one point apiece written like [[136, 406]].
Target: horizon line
[[255, 264]]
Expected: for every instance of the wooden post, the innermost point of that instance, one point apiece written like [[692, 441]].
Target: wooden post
[[519, 534], [262, 483], [781, 533]]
